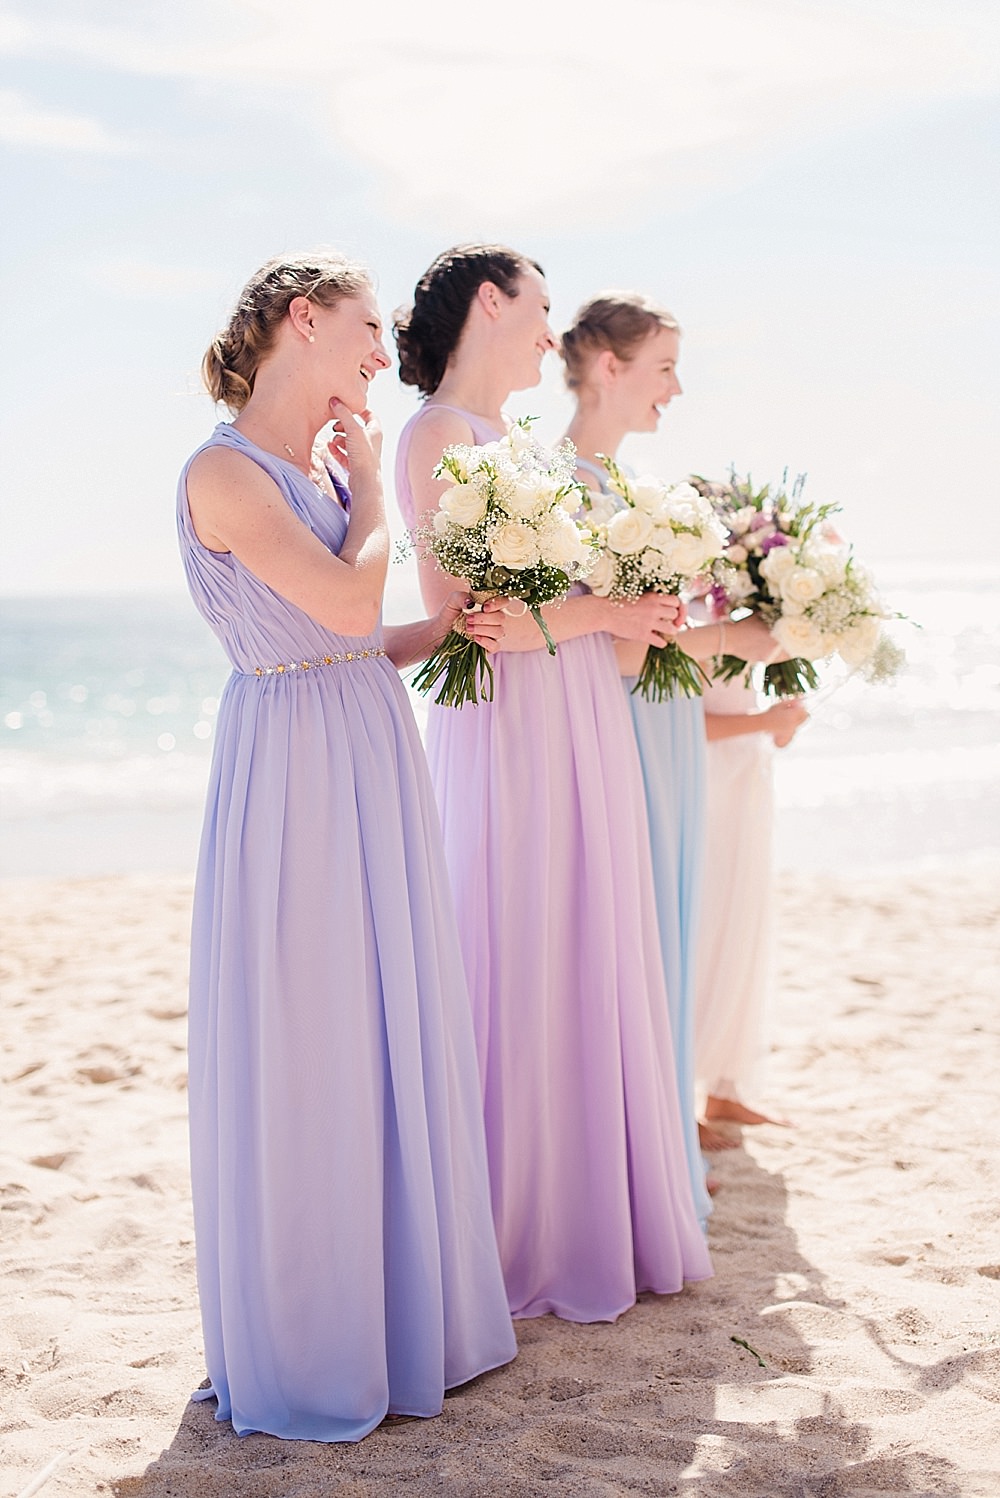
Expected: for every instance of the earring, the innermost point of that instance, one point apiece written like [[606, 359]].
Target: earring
[[312, 338]]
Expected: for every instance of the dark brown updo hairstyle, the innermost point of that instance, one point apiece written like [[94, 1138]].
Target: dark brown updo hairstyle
[[427, 333], [615, 320], [230, 366]]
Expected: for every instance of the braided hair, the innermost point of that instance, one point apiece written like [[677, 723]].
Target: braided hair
[[427, 333], [230, 365]]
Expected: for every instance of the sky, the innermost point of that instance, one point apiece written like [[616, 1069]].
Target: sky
[[810, 185]]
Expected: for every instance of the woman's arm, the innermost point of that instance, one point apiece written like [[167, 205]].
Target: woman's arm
[[749, 639], [406, 644], [781, 721], [235, 507]]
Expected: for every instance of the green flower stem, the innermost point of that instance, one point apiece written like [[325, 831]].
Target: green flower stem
[[465, 667], [781, 679], [550, 644], [667, 671], [728, 667], [790, 678]]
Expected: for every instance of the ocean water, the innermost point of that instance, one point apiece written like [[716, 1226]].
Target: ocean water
[[108, 705]]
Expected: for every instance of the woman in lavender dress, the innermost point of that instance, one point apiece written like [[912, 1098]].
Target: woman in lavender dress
[[545, 835], [621, 354], [346, 1261]]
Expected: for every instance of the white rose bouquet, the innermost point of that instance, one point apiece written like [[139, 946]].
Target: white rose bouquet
[[784, 561], [658, 538], [506, 525]]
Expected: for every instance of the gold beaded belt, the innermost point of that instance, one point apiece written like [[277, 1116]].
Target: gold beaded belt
[[340, 659]]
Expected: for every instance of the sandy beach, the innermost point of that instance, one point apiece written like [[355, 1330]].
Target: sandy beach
[[857, 1253]]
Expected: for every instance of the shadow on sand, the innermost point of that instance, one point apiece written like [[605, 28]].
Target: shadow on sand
[[665, 1401]]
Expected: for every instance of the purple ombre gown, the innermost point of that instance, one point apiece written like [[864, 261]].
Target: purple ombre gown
[[545, 835], [346, 1260]]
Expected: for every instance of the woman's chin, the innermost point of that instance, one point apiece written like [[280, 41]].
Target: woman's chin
[[528, 380], [356, 404]]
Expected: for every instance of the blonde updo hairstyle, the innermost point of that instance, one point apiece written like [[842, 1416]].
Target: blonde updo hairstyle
[[615, 320], [230, 365]]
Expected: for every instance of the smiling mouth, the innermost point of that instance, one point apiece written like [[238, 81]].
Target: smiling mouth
[[367, 374]]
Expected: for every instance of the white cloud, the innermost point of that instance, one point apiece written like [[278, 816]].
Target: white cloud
[[556, 113], [24, 123]]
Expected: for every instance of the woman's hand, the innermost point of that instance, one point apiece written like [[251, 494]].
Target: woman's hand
[[486, 625], [356, 443], [784, 720], [653, 619]]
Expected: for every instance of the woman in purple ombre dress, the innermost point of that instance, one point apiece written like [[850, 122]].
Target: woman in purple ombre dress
[[544, 823], [347, 1266]]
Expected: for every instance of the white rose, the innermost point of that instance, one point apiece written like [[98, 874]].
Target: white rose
[[629, 531], [680, 513], [514, 545], [779, 561], [647, 493], [688, 555], [561, 543], [799, 637], [527, 498], [439, 522], [602, 575], [802, 585], [688, 494], [740, 522], [736, 554], [463, 504], [600, 509]]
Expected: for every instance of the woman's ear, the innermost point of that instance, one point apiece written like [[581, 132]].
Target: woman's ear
[[300, 313], [606, 367], [489, 297]]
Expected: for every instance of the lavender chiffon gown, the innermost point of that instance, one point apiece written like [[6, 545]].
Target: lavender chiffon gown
[[346, 1259], [545, 837]]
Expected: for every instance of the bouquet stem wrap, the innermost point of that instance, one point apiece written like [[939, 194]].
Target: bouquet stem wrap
[[463, 663]]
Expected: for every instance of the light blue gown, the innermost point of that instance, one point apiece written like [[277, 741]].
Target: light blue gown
[[671, 740]]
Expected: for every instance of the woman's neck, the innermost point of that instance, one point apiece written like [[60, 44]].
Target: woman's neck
[[472, 386], [276, 421], [593, 431]]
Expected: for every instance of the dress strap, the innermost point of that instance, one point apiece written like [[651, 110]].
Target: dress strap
[[479, 424]]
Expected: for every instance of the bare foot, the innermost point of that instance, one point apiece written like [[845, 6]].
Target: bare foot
[[729, 1110], [712, 1140]]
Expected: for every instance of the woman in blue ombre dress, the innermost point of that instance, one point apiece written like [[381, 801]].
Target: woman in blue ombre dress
[[621, 354], [347, 1265]]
